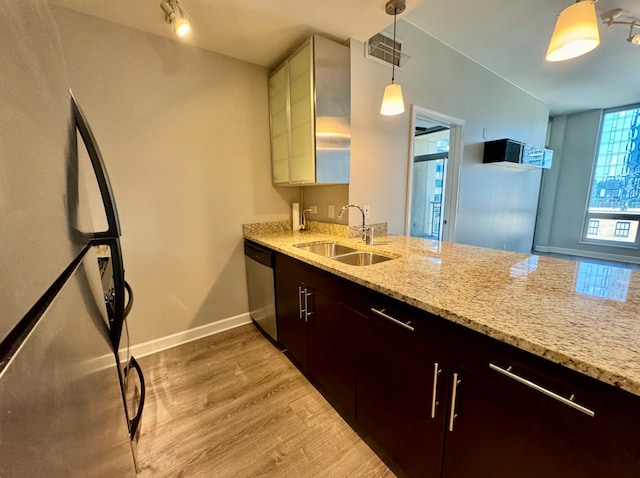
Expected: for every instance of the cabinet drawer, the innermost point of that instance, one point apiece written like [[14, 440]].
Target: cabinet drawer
[[416, 322]]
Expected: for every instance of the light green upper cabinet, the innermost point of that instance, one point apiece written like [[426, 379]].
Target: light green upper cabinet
[[310, 108], [279, 127]]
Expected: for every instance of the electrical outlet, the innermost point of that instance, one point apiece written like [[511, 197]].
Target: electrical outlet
[[366, 212], [314, 209], [331, 211]]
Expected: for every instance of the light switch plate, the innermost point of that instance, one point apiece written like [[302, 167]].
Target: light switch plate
[[331, 211]]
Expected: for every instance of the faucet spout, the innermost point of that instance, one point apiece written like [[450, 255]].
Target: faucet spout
[[303, 224], [365, 237]]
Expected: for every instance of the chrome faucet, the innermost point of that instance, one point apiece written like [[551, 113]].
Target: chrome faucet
[[367, 232], [303, 224]]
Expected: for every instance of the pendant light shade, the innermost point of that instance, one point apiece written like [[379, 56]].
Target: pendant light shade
[[575, 33], [392, 101]]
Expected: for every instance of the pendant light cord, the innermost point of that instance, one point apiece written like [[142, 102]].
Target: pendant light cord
[[393, 53]]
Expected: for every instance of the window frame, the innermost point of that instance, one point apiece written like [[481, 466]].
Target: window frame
[[625, 230], [617, 216]]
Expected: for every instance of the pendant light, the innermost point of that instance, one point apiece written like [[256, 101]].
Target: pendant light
[[575, 33], [392, 102]]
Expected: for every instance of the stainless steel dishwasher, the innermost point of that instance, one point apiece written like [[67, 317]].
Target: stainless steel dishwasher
[[262, 302]]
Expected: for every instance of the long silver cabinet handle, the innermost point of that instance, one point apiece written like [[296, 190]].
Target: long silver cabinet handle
[[434, 398], [395, 321], [300, 301], [306, 305], [549, 393], [454, 392]]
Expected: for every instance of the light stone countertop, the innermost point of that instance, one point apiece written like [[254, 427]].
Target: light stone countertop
[[539, 304]]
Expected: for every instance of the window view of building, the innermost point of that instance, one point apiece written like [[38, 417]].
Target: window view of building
[[431, 151], [613, 214]]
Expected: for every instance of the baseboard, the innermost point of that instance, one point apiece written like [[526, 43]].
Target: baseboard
[[592, 254], [163, 343]]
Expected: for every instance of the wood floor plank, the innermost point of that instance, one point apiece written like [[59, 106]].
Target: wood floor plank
[[232, 405]]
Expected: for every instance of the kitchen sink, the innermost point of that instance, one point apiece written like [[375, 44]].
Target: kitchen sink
[[361, 258], [345, 254], [326, 249]]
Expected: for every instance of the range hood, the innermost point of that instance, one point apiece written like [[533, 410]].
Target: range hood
[[514, 153]]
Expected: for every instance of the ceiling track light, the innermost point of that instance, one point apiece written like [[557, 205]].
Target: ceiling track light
[[610, 18], [176, 16], [392, 101]]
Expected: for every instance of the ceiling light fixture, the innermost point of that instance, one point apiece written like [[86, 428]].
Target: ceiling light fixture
[[176, 16], [610, 18], [392, 101], [575, 33]]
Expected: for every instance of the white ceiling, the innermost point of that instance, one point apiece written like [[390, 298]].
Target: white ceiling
[[509, 38]]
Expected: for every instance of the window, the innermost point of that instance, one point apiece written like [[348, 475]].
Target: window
[[613, 212], [622, 229]]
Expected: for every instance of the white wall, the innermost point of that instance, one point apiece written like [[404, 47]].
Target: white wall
[[185, 136], [497, 206]]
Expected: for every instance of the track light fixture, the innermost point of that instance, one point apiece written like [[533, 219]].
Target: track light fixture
[[176, 16], [392, 101], [610, 18]]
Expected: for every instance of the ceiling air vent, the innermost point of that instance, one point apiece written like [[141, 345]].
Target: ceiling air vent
[[380, 47]]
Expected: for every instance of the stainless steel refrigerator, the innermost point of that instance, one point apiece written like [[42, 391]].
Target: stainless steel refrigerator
[[62, 375]]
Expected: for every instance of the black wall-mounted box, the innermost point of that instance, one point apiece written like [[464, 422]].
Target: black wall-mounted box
[[512, 152]]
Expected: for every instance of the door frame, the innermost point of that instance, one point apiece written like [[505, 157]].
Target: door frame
[[452, 177]]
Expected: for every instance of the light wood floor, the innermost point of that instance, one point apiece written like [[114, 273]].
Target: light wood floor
[[232, 405]]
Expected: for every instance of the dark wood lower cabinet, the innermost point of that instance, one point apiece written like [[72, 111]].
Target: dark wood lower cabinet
[[444, 401], [512, 420], [398, 403], [292, 325], [319, 332], [332, 351]]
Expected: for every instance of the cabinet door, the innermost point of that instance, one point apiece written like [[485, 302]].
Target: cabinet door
[[332, 347], [395, 393], [279, 126], [302, 116], [506, 428], [292, 325]]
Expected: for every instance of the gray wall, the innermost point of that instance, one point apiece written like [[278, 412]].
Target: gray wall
[[185, 136], [565, 189], [497, 205]]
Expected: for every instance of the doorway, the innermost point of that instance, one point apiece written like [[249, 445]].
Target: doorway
[[434, 165]]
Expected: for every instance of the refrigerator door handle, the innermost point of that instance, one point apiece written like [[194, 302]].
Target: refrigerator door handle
[[127, 308], [134, 423], [113, 221], [116, 309]]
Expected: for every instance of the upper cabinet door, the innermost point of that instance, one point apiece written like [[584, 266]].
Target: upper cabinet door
[[279, 125], [309, 98], [302, 116]]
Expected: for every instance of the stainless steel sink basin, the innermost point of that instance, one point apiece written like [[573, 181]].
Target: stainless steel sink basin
[[326, 249], [361, 258], [345, 254]]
